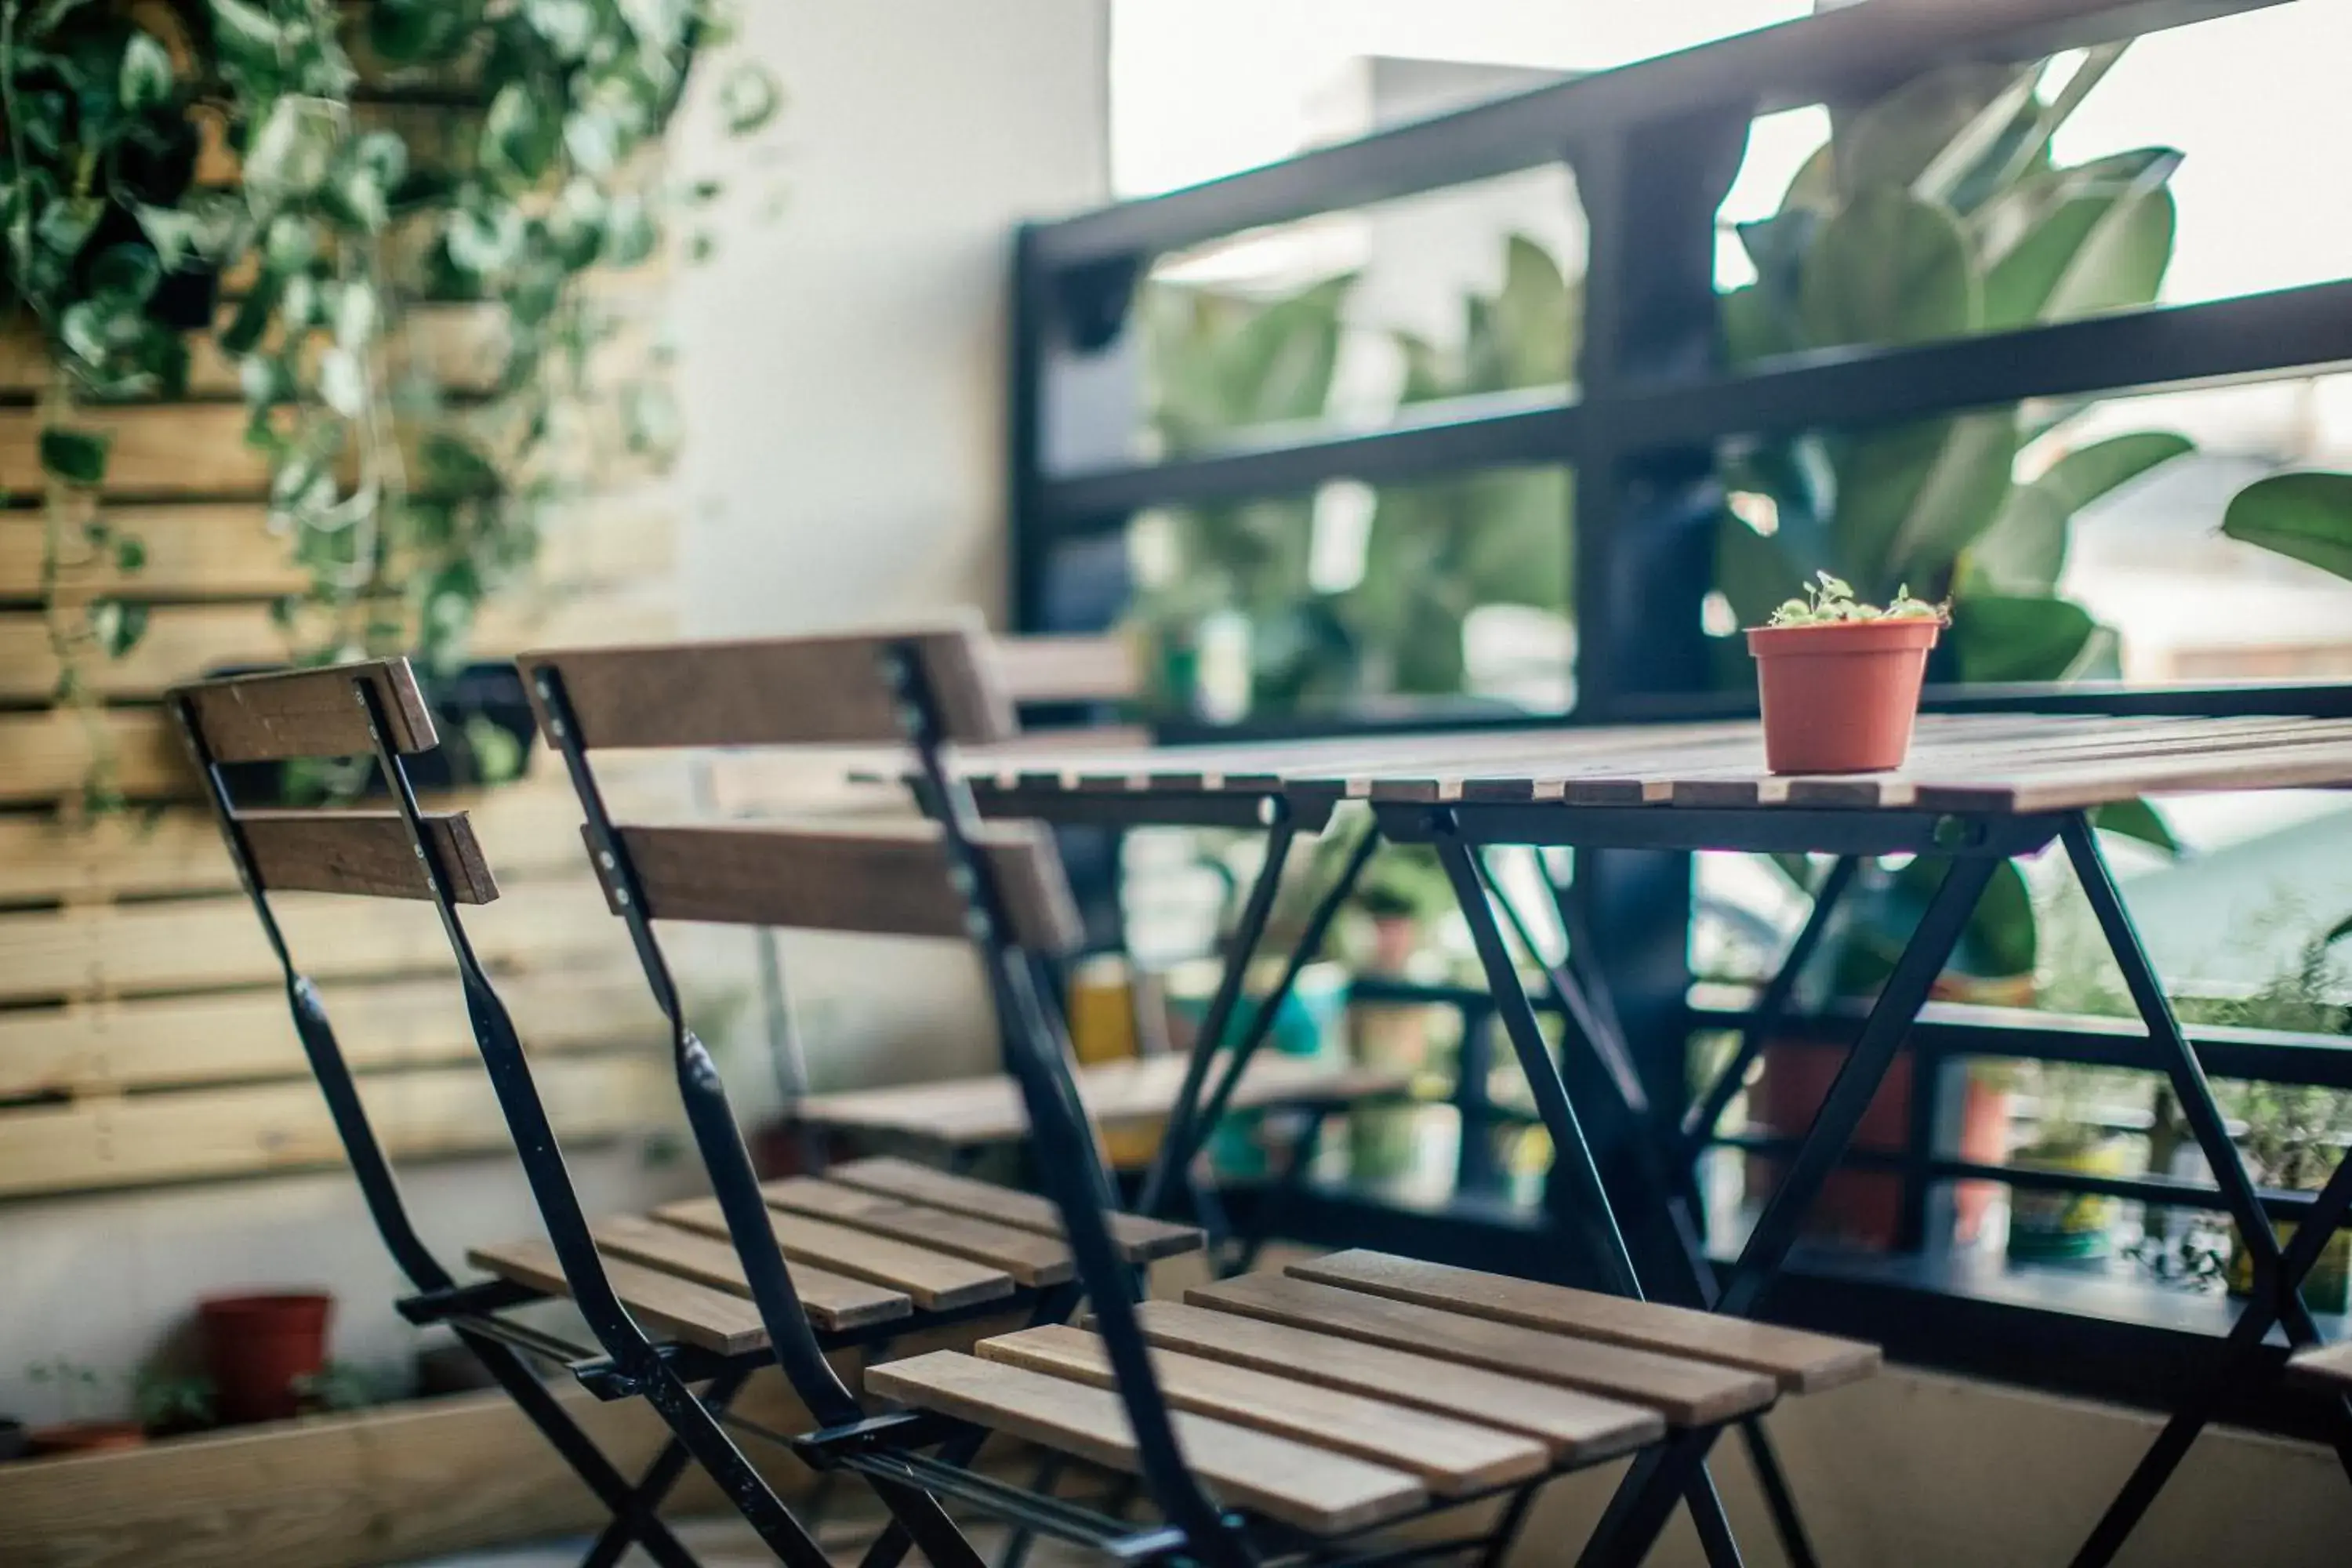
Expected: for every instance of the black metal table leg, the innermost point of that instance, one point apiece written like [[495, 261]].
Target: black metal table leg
[[1174, 1139], [2278, 1273], [1667, 1175], [1571, 1152], [1645, 1498]]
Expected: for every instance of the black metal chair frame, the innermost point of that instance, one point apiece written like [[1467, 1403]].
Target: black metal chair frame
[[1068, 1161], [626, 1361]]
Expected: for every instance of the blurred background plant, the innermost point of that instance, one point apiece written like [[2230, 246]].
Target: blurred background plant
[[1935, 211], [1391, 623]]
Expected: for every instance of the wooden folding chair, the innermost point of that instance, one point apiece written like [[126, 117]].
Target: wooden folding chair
[[668, 1303], [1302, 1412]]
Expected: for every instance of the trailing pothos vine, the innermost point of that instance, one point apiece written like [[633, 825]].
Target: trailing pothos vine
[[174, 169]]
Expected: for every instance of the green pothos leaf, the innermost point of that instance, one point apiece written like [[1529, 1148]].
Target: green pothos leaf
[[76, 456]]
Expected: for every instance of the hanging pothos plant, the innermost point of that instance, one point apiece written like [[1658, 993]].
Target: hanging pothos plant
[[402, 505]]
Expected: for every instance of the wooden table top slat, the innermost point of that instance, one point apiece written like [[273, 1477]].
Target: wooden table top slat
[[1986, 762]]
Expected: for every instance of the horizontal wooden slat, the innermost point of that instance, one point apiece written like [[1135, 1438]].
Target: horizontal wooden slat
[[49, 756], [776, 691], [2329, 1364], [310, 712], [1687, 1393], [972, 1112], [141, 1140], [184, 642], [364, 852], [529, 828], [245, 1036], [1799, 1361], [886, 879], [1450, 1456], [461, 346], [833, 1301], [225, 549], [1031, 1258], [1045, 669], [1308, 1487], [1139, 1239], [163, 449], [214, 943], [1578, 1428], [665, 1305], [936, 1282]]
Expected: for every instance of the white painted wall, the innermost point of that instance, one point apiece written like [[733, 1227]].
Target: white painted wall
[[842, 377], [840, 370]]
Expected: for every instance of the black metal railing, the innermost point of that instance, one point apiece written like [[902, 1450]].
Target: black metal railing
[[1654, 147]]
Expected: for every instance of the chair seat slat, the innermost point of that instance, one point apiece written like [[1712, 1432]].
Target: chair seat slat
[[1451, 1457], [1139, 1239], [835, 1302], [1578, 1428], [1799, 1362], [665, 1304], [1308, 1487], [936, 1282], [1687, 1393]]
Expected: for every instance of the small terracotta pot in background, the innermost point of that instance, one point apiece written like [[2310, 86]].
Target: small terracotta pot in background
[[87, 1437], [1839, 698], [257, 1348]]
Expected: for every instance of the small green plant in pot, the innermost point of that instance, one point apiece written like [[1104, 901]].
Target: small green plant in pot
[[2050, 1225], [1839, 679]]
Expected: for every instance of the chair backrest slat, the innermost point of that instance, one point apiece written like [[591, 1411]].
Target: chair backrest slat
[[770, 692], [1056, 670], [885, 880], [290, 713], [365, 852]]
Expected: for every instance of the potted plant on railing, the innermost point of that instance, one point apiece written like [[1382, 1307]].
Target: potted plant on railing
[[2294, 1135], [2049, 1225]]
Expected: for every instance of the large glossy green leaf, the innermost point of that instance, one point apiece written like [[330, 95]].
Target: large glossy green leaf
[[2002, 637], [1891, 141], [2136, 819], [1533, 320], [1911, 497], [2072, 241], [2025, 549], [2307, 516], [1756, 574], [1888, 269]]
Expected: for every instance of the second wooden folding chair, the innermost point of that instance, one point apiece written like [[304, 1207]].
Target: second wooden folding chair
[[1300, 1412]]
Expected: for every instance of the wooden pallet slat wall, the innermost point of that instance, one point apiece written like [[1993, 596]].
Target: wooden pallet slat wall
[[143, 1029]]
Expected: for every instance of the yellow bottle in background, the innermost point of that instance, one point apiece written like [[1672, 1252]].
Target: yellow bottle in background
[[1102, 1029]]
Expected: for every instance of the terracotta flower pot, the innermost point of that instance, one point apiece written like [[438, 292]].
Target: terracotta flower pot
[[87, 1437], [1839, 698], [257, 1348]]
